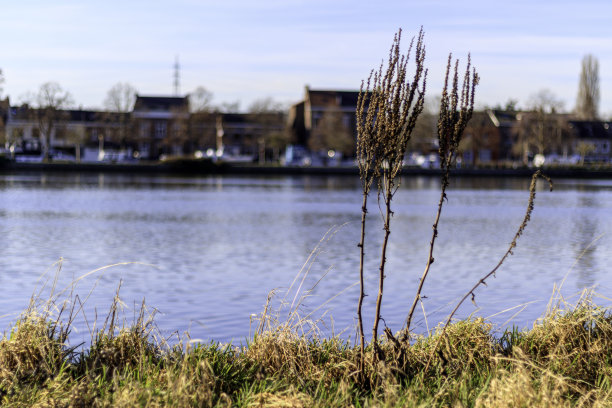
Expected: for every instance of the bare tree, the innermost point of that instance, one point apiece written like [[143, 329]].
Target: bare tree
[[119, 102], [267, 115], [332, 133], [546, 101], [51, 99], [202, 127], [200, 100], [1, 82], [265, 105], [228, 107], [120, 98], [76, 136], [587, 104], [540, 129]]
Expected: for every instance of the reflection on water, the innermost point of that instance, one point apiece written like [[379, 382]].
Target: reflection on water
[[586, 241], [206, 251]]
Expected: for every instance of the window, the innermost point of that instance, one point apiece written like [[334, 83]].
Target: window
[[160, 130]]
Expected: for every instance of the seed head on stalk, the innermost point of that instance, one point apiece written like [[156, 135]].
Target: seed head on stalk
[[387, 111], [456, 110]]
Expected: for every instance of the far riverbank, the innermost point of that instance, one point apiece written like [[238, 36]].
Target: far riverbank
[[204, 167]]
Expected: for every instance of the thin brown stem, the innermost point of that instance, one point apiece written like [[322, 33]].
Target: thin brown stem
[[361, 245], [388, 182], [430, 259]]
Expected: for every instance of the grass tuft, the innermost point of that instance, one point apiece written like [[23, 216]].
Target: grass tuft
[[32, 352]]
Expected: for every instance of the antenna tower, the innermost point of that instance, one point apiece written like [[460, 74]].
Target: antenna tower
[[176, 76]]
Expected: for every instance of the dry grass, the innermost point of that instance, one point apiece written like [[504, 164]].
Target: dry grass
[[564, 360], [31, 353]]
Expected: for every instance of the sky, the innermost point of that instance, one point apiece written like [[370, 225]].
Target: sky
[[244, 51]]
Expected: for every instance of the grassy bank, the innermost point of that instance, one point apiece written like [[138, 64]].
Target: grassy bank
[[564, 360]]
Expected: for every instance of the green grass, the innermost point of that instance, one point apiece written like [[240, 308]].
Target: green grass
[[564, 360]]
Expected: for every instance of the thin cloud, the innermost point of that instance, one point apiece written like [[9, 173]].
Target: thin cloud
[[238, 49]]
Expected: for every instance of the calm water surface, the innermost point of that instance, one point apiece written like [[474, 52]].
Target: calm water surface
[[205, 252]]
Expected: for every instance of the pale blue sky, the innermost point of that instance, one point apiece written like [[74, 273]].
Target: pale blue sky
[[246, 50]]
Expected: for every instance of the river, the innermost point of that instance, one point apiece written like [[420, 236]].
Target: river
[[205, 252]]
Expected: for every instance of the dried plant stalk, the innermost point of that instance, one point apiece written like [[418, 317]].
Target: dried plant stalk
[[387, 111], [482, 281], [456, 109], [521, 229], [367, 147]]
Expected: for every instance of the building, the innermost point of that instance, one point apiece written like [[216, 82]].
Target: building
[[325, 121], [70, 130], [591, 140], [320, 127], [556, 136], [239, 136], [157, 127], [163, 126], [22, 130], [482, 140], [160, 125], [505, 122]]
